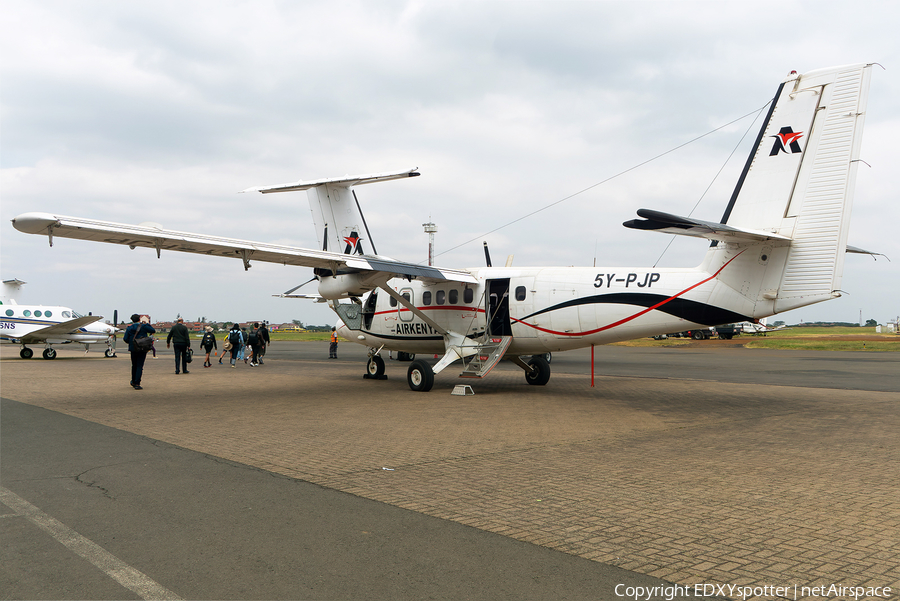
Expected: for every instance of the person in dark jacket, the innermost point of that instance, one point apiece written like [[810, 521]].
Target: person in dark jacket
[[209, 343], [263, 332], [181, 338], [137, 330]]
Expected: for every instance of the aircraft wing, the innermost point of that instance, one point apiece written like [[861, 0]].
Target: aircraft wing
[[60, 329], [148, 236], [688, 226]]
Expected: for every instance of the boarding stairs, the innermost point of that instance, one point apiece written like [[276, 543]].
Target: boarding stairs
[[487, 355]]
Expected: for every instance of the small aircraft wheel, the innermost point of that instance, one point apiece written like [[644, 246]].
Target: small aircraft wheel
[[109, 353], [26, 353], [49, 353], [539, 374], [375, 366], [420, 376]]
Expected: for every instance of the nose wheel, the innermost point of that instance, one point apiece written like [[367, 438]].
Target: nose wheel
[[49, 353]]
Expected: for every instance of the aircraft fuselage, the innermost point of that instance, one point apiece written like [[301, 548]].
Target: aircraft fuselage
[[544, 309]]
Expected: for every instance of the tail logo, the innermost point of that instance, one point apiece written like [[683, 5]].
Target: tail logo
[[354, 244], [786, 142]]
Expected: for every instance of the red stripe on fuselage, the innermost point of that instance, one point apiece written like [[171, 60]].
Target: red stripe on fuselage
[[631, 317]]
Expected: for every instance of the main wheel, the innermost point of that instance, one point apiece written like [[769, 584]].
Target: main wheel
[[420, 376], [539, 374], [49, 353], [697, 335], [26, 353], [375, 366]]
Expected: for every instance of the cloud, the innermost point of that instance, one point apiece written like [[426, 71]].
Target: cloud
[[138, 112]]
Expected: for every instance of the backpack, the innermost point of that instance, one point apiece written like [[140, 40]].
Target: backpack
[[253, 339], [235, 338], [207, 340]]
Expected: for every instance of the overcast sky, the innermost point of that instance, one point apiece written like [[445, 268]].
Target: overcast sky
[[163, 111]]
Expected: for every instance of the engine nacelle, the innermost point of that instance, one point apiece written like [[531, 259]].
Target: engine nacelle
[[350, 284]]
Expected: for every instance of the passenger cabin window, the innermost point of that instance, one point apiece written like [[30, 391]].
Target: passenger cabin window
[[468, 296], [426, 297], [26, 313], [9, 312], [393, 302], [520, 293], [454, 296], [441, 297], [48, 314], [37, 313]]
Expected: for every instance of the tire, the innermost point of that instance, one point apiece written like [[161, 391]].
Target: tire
[[539, 374], [49, 353], [420, 376], [375, 367], [26, 353], [697, 335]]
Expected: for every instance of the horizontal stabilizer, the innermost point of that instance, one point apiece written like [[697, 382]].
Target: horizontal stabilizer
[[345, 181], [667, 223], [861, 251]]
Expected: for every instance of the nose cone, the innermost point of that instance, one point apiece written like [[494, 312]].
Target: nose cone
[[343, 331]]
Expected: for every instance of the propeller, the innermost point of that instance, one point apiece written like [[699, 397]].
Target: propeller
[[487, 255], [291, 291]]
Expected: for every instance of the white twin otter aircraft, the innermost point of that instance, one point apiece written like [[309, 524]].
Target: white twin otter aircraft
[[780, 245]]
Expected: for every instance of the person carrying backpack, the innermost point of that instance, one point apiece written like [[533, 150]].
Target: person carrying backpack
[[137, 336], [208, 343], [236, 339]]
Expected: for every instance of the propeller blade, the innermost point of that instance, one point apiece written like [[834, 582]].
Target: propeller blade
[[487, 255], [291, 291]]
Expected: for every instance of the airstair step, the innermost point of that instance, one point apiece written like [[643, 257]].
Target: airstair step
[[487, 355]]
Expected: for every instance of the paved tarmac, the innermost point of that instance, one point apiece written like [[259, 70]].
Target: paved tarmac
[[299, 479]]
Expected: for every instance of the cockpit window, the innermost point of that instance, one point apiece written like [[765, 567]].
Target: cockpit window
[[66, 314]]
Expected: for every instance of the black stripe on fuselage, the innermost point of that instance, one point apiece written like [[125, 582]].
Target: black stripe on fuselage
[[688, 310]]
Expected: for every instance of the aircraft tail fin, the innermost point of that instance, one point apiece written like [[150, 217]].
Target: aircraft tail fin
[[792, 202], [799, 181], [340, 224], [10, 293]]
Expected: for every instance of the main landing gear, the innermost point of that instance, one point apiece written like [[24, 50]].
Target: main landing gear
[[538, 372], [420, 376], [27, 353]]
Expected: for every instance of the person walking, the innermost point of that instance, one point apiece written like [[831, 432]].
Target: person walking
[[181, 338], [138, 350], [332, 348], [209, 343], [255, 342], [236, 339], [263, 341]]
